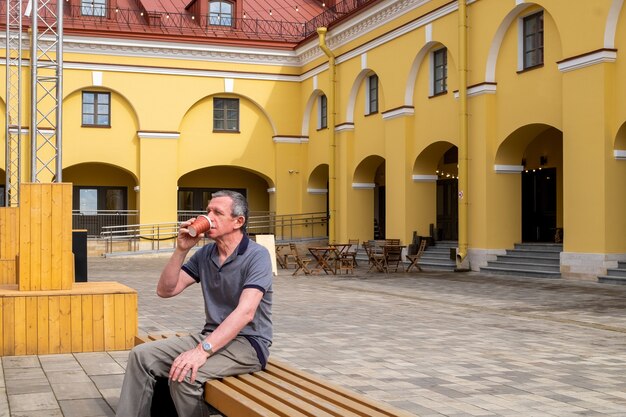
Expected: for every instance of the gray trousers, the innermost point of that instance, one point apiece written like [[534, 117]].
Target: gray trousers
[[150, 360]]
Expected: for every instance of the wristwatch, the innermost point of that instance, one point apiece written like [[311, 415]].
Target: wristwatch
[[208, 348]]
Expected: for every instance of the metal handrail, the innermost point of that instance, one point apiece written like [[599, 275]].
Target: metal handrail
[[135, 237]]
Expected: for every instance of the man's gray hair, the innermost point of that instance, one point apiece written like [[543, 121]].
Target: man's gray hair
[[239, 206]]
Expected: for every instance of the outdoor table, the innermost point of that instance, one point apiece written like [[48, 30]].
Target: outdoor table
[[323, 257]]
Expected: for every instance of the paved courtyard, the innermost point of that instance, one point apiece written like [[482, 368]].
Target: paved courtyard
[[434, 344]]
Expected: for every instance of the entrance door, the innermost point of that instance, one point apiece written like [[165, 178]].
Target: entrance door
[[447, 210], [539, 205]]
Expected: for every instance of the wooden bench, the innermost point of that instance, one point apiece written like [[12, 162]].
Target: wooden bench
[[282, 391]]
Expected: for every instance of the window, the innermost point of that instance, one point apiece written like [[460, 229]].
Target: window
[[2, 192], [220, 13], [440, 71], [93, 7], [533, 40], [372, 94], [96, 109], [323, 112], [226, 114], [89, 200]]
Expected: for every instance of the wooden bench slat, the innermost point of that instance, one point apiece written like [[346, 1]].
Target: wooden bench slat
[[289, 397], [260, 398], [351, 406], [313, 397], [232, 402], [387, 411]]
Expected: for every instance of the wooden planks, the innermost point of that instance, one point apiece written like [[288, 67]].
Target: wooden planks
[[9, 237], [45, 261], [86, 318], [9, 243]]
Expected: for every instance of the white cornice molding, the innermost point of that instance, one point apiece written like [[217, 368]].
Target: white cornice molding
[[508, 169], [619, 154], [399, 112], [178, 50], [592, 58], [424, 178], [158, 135], [271, 190], [290, 139], [344, 127], [478, 90], [317, 190], [363, 185], [178, 71]]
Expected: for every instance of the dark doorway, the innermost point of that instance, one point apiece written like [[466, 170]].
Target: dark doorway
[[379, 214], [447, 210], [539, 205]]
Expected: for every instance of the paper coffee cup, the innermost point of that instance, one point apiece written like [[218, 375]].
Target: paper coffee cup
[[200, 225]]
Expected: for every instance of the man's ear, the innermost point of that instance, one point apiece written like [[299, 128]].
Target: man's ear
[[240, 222]]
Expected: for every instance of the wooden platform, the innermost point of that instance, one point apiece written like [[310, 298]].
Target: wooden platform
[[88, 317]]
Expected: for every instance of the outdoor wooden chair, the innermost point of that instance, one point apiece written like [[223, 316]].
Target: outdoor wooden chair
[[351, 251], [301, 262], [413, 259], [392, 257], [375, 255]]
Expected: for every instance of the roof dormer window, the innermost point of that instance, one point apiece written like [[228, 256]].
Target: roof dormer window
[[220, 13], [93, 8]]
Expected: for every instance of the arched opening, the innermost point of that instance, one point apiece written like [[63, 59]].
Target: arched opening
[[539, 150], [195, 189], [436, 172], [102, 195], [369, 179]]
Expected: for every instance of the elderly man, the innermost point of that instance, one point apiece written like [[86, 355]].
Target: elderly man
[[235, 275]]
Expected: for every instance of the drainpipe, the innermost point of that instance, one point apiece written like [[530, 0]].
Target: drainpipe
[[332, 177], [464, 135]]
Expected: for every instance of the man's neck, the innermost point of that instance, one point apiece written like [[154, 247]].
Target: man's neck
[[228, 243]]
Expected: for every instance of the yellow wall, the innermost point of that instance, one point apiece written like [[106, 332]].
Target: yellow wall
[[571, 113]]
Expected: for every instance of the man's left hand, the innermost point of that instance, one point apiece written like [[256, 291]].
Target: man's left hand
[[187, 361]]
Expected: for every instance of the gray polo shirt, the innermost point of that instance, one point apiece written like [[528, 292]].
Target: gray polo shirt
[[249, 266]]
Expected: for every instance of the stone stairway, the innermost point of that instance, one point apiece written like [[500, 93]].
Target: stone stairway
[[528, 259], [615, 275], [437, 257]]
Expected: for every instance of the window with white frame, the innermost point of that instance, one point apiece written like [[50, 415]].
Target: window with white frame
[[220, 13], [322, 111], [226, 114], [532, 40], [96, 111], [440, 71], [372, 94], [93, 8]]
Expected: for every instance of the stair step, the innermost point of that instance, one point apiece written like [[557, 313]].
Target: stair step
[[604, 279], [520, 272], [548, 247], [524, 266], [528, 259], [619, 272], [534, 253]]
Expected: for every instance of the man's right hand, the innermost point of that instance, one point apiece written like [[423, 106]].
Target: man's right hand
[[184, 240]]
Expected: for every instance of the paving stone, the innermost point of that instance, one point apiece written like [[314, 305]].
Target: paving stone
[[32, 402], [74, 391], [96, 407], [20, 362]]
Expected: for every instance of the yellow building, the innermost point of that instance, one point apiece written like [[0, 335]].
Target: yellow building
[[372, 128]]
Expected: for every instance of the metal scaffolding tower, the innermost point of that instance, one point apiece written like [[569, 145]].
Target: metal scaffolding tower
[[46, 76], [13, 128], [46, 69]]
